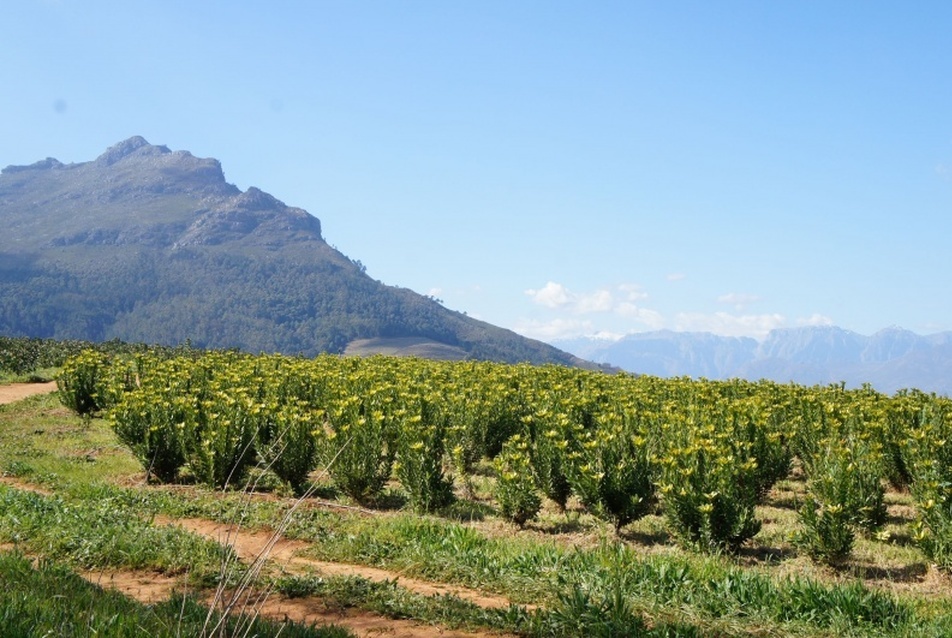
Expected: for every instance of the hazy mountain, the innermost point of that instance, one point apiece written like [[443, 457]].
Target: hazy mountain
[[145, 244], [889, 360]]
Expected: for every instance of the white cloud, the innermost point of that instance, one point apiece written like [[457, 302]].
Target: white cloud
[[554, 329], [815, 319], [633, 292], [651, 319], [675, 276], [738, 299], [598, 301], [728, 325], [434, 292], [552, 295]]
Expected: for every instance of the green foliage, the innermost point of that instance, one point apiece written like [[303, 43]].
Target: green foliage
[[929, 454], [580, 613], [219, 444], [516, 490], [420, 454], [708, 451], [287, 442], [846, 494], [79, 381], [19, 355], [610, 470], [360, 449], [103, 530], [718, 431], [548, 453], [709, 487], [154, 431], [827, 531]]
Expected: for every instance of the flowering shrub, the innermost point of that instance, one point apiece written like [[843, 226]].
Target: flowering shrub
[[79, 381], [516, 492], [420, 454]]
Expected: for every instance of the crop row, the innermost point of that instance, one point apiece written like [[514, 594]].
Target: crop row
[[703, 453]]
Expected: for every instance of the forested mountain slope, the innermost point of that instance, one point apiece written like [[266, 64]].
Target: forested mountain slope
[[146, 244]]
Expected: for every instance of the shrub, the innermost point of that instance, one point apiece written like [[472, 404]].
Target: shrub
[[846, 494], [287, 442], [709, 487], [826, 531], [359, 450], [420, 455], [548, 452], [78, 382], [153, 429], [930, 461], [610, 470], [516, 492]]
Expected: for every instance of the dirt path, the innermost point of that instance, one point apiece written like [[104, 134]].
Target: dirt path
[[250, 545], [15, 391], [150, 588]]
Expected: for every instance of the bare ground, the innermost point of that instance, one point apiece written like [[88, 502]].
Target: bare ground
[[16, 391], [250, 545]]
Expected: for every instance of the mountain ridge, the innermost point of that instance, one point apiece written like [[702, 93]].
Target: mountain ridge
[[152, 245], [891, 359]]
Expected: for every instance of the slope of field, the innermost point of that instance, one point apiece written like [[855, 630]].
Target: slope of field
[[460, 567]]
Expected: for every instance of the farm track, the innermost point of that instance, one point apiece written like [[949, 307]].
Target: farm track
[[250, 546], [16, 391]]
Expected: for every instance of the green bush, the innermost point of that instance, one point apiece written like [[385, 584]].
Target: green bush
[[846, 495], [219, 444], [515, 490], [549, 432], [610, 470], [421, 454], [929, 452], [709, 487], [154, 429], [287, 442], [79, 380], [359, 448], [826, 532]]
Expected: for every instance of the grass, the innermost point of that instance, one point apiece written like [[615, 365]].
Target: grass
[[47, 599], [586, 580], [40, 375]]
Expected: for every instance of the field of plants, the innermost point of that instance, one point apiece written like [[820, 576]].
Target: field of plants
[[597, 504]]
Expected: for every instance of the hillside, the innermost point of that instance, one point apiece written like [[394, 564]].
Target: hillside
[[146, 244], [890, 360]]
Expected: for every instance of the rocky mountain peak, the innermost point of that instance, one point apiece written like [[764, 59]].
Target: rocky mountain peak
[[42, 165], [136, 145]]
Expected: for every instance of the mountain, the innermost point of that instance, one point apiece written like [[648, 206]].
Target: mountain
[[890, 360], [150, 245]]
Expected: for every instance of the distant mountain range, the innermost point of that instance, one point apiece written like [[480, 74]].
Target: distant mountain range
[[150, 245], [890, 360]]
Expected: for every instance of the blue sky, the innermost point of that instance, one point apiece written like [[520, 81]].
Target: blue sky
[[556, 168]]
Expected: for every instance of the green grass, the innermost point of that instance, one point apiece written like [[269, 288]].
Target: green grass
[[49, 600], [41, 375]]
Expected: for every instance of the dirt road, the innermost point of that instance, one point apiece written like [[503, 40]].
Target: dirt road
[[16, 391]]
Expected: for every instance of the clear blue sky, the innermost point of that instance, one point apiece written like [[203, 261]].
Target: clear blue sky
[[559, 168]]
